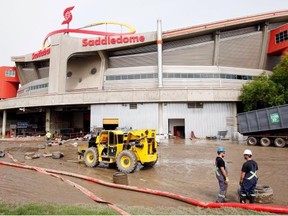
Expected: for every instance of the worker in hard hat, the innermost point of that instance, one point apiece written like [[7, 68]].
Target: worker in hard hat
[[248, 178], [221, 175], [48, 137]]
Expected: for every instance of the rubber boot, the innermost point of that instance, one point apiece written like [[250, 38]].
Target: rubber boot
[[251, 199], [242, 198]]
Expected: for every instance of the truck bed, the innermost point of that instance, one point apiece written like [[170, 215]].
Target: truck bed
[[272, 120]]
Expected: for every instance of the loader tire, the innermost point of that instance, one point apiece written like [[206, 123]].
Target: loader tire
[[264, 141], [252, 141], [279, 142], [91, 158], [126, 161]]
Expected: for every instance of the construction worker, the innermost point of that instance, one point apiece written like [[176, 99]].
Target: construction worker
[[221, 175], [48, 137], [248, 178]]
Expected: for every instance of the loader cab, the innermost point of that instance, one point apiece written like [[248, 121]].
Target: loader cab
[[110, 142]]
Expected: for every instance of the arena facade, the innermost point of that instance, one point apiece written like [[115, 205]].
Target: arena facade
[[184, 82]]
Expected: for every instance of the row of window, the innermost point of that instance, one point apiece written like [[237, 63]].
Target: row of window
[[165, 75], [132, 76], [179, 75], [35, 87], [282, 36], [191, 105]]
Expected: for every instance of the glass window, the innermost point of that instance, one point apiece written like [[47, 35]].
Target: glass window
[[193, 105], [133, 106], [131, 76], [150, 76], [124, 77], [170, 75], [184, 75], [177, 75], [282, 36], [10, 73], [137, 76], [228, 76]]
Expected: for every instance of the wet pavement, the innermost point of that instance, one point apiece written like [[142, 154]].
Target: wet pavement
[[185, 167]]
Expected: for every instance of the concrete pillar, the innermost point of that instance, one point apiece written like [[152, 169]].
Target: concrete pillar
[[103, 67], [160, 74], [4, 120], [160, 118], [216, 48], [58, 64], [159, 50], [264, 48], [235, 123], [47, 119]]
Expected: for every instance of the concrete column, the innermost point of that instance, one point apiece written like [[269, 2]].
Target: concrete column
[[47, 119], [265, 38], [160, 118], [4, 120], [103, 67], [159, 50], [216, 48], [160, 74], [58, 64], [235, 121]]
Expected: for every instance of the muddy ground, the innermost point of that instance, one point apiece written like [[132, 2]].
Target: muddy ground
[[184, 167]]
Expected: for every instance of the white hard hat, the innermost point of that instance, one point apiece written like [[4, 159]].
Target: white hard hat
[[247, 152]]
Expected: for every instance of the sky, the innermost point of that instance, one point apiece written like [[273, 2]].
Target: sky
[[25, 23]]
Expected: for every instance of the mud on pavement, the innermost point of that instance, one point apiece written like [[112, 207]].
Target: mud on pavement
[[184, 167]]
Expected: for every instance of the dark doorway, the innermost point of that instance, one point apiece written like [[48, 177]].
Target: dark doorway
[[179, 131]]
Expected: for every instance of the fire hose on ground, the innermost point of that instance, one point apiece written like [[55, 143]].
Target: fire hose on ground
[[255, 207], [71, 183]]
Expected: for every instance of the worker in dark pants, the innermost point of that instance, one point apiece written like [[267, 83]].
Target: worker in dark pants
[[221, 175], [248, 178]]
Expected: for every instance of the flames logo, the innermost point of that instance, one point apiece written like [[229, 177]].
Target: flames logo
[[83, 30], [67, 15]]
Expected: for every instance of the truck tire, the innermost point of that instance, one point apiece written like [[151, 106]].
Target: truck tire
[[252, 141], [126, 161], [264, 194], [91, 157], [279, 142], [264, 141], [120, 178]]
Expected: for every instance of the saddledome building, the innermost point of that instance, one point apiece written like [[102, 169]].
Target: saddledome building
[[179, 81]]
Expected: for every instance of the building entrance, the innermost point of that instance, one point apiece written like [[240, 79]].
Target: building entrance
[[177, 127]]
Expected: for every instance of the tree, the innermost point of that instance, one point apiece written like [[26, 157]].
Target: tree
[[262, 92], [280, 74]]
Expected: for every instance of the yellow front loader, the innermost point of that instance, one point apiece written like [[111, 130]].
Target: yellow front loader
[[125, 150]]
